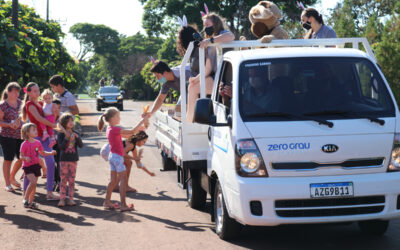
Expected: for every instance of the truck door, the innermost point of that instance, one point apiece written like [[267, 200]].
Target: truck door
[[221, 153]]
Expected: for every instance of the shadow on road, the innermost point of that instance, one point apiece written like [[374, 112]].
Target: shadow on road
[[310, 237], [161, 197], [29, 223], [196, 227]]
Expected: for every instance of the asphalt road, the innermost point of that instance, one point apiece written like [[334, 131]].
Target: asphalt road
[[162, 219]]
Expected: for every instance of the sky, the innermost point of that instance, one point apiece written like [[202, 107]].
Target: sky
[[125, 16]]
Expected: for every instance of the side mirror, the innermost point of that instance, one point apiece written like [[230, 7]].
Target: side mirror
[[122, 92], [204, 112], [96, 93]]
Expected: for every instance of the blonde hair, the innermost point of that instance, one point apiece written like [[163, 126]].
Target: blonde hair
[[26, 98], [10, 87], [46, 92], [110, 112], [218, 23], [25, 130]]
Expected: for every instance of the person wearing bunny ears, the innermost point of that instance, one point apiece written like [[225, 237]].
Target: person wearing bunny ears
[[314, 23]]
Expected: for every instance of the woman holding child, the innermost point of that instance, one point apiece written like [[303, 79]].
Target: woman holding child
[[33, 109]]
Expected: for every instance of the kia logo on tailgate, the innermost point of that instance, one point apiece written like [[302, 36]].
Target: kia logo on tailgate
[[330, 148]]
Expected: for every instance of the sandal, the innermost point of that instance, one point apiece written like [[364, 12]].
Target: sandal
[[9, 189], [131, 189], [15, 184], [52, 197], [130, 207], [33, 205], [71, 202], [61, 203]]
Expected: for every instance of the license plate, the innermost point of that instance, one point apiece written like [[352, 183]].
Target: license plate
[[340, 189]]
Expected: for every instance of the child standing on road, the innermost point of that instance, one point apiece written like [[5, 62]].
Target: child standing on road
[[30, 150], [68, 143], [116, 156]]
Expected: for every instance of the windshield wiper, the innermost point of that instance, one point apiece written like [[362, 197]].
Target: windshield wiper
[[347, 114], [289, 115]]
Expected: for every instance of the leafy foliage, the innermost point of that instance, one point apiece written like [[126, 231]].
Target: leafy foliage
[[33, 51]]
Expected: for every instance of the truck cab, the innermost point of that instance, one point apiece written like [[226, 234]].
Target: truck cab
[[310, 135]]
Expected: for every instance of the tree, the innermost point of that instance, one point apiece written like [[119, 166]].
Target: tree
[[158, 13], [98, 39], [387, 51], [32, 50]]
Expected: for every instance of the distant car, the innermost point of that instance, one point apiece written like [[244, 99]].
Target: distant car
[[109, 96]]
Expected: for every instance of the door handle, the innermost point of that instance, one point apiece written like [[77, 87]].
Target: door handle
[[209, 133]]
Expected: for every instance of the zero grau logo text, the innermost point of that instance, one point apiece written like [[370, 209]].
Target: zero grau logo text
[[289, 146]]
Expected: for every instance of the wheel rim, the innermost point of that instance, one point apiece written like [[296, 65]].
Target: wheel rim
[[219, 212], [189, 190]]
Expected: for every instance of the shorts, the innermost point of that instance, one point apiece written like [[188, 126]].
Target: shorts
[[11, 147], [33, 169], [116, 162]]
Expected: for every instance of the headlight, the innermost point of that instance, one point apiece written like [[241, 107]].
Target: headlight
[[249, 162], [120, 97], [395, 157]]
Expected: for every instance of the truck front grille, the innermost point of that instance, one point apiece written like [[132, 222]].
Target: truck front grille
[[349, 164], [330, 207]]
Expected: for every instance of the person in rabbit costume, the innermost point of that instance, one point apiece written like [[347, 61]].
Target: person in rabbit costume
[[265, 25]]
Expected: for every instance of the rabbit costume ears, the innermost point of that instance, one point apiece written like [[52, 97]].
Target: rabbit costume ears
[[152, 60], [183, 21], [206, 9], [301, 5]]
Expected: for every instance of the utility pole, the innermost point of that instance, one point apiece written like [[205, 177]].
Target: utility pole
[[15, 13], [47, 12]]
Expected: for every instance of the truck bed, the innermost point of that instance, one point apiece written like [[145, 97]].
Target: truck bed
[[180, 142]]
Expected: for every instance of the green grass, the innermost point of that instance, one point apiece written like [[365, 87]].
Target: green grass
[[84, 96]]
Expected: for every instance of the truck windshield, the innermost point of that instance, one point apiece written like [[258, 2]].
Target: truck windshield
[[315, 87], [109, 90]]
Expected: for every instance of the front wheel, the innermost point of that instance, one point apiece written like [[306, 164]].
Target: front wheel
[[98, 107], [121, 107], [374, 227], [196, 196], [225, 227]]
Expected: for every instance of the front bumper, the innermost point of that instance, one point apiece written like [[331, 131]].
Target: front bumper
[[111, 102], [266, 191]]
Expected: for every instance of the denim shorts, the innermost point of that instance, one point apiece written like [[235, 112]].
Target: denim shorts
[[116, 162]]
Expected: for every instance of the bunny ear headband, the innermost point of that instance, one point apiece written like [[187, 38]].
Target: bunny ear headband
[[206, 9], [152, 60], [301, 5], [183, 21]]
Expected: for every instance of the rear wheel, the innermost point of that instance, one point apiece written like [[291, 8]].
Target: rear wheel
[[167, 163], [121, 107], [196, 196], [374, 227], [225, 227]]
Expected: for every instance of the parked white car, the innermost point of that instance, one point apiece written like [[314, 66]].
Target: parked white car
[[311, 135]]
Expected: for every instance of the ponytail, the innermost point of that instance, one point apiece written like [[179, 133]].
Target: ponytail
[[100, 123], [26, 99], [110, 112]]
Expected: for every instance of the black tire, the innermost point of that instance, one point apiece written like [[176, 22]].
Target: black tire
[[373, 227], [167, 163], [196, 196], [98, 107], [121, 107], [225, 227]]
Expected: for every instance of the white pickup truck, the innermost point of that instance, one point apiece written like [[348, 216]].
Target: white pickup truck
[[310, 135]]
